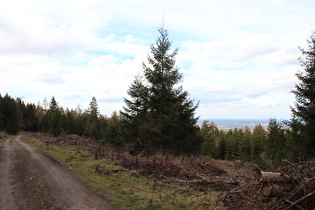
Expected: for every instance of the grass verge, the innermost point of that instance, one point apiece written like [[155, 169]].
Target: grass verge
[[126, 191]]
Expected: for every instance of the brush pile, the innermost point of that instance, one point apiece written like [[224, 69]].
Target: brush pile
[[161, 165], [292, 186], [62, 140]]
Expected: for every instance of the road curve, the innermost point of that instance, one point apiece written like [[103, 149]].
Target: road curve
[[30, 179]]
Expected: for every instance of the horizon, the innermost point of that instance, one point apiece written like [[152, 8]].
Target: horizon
[[238, 66], [227, 124]]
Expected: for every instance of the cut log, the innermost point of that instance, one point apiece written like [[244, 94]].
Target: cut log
[[272, 190], [272, 177], [267, 190], [205, 181]]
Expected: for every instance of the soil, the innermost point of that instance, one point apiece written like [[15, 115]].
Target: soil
[[30, 179]]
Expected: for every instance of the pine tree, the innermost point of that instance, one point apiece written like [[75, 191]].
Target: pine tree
[[304, 110], [222, 145], [9, 115], [135, 115], [159, 109], [259, 141], [276, 141], [244, 147], [112, 132], [209, 133], [92, 125], [52, 121], [93, 109]]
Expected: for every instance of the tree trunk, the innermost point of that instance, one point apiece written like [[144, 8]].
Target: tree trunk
[[268, 177]]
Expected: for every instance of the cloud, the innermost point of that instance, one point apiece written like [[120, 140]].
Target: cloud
[[51, 79], [233, 55], [99, 62], [284, 57], [233, 51]]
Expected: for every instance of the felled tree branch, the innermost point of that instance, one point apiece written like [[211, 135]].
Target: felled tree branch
[[301, 199], [204, 181]]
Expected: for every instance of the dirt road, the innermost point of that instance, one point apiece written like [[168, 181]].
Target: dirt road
[[30, 179]]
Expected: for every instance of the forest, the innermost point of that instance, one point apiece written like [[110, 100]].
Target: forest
[[158, 116]]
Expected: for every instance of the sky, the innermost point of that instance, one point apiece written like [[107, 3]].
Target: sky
[[238, 57]]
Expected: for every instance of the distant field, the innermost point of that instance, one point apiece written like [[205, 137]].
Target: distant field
[[226, 124]]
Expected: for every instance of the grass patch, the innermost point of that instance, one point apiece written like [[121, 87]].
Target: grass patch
[[125, 190]]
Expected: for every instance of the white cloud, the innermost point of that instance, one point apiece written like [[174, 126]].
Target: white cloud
[[238, 57], [229, 52], [102, 60], [284, 57]]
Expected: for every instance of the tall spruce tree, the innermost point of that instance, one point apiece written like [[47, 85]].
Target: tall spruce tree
[[304, 110], [159, 109], [92, 124], [276, 142]]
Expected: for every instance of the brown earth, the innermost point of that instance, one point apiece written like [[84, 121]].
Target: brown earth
[[30, 179]]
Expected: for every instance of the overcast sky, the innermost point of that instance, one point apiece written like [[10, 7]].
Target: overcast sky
[[238, 57]]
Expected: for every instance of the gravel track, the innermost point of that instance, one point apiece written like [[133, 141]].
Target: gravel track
[[30, 179]]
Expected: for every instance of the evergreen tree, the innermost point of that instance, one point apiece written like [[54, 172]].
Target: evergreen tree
[[244, 147], [9, 114], [296, 141], [53, 105], [230, 145], [112, 133], [92, 125], [259, 141], [276, 142], [209, 133], [69, 124], [93, 109], [135, 115], [222, 145], [39, 113], [161, 108], [304, 110], [53, 122], [29, 118]]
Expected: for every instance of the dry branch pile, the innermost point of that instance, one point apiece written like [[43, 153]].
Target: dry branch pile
[[291, 187], [63, 140], [166, 165]]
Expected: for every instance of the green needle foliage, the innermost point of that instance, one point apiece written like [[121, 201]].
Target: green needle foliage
[[159, 115], [303, 123]]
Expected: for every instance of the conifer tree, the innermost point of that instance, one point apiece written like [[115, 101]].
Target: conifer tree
[[304, 110], [244, 146], [276, 141], [93, 109], [159, 108], [92, 125], [9, 115], [136, 115], [52, 121], [222, 145], [209, 133], [259, 141]]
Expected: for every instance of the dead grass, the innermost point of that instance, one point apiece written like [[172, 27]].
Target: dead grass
[[119, 183]]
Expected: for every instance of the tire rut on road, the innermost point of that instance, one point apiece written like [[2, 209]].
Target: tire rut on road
[[30, 179]]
